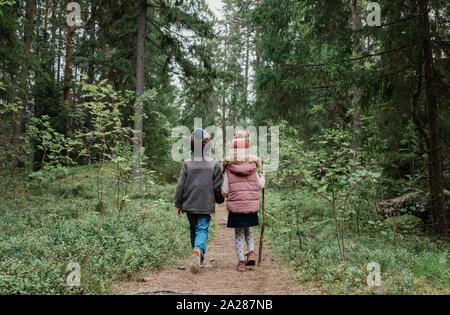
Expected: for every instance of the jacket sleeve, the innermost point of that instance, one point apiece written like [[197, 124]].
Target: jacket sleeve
[[217, 177], [180, 187]]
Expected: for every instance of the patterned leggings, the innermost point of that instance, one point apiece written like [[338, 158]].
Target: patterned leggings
[[242, 236]]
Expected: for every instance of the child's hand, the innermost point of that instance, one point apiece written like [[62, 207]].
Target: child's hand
[[179, 212]]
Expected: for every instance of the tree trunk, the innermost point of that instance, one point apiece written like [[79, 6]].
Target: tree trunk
[[140, 87], [67, 95], [46, 10], [247, 65], [68, 65], [53, 37], [225, 89], [19, 126], [43, 50], [92, 43], [58, 67], [224, 123], [438, 212], [357, 92]]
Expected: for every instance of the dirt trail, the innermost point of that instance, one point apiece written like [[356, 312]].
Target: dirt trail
[[219, 276]]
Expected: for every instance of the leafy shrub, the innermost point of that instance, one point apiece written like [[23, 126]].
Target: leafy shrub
[[42, 231], [406, 224], [301, 233]]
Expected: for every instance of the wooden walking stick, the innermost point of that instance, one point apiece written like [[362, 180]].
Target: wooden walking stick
[[261, 236]]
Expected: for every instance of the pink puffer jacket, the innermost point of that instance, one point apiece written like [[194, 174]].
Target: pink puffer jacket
[[243, 187]]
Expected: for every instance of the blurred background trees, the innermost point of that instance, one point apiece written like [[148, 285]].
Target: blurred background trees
[[310, 65]]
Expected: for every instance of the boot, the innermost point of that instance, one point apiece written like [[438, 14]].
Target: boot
[[196, 261], [251, 258], [241, 266]]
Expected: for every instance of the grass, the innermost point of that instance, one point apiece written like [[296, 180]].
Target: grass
[[53, 219], [304, 236], [48, 222]]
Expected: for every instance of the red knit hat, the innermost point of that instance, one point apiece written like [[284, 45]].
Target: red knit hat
[[239, 144]]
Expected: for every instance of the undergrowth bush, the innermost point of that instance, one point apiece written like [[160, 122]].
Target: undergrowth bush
[[302, 233], [42, 231]]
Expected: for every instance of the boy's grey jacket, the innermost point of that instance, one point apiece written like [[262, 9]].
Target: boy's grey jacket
[[196, 185]]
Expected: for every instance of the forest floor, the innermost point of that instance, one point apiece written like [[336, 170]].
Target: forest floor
[[219, 276]]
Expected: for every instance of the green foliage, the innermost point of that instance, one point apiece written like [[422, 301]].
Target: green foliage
[[8, 110], [4, 3], [292, 63], [310, 64], [122, 159], [406, 224], [160, 118], [323, 219], [105, 138], [55, 146], [42, 231], [8, 115], [303, 234], [332, 170], [101, 111]]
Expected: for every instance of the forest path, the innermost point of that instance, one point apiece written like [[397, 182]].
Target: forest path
[[220, 275]]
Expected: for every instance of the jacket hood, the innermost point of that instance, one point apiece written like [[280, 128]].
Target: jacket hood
[[240, 159], [242, 169]]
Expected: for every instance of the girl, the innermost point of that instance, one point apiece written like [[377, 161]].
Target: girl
[[241, 187]]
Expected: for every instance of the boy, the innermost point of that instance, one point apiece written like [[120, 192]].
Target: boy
[[200, 177]]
